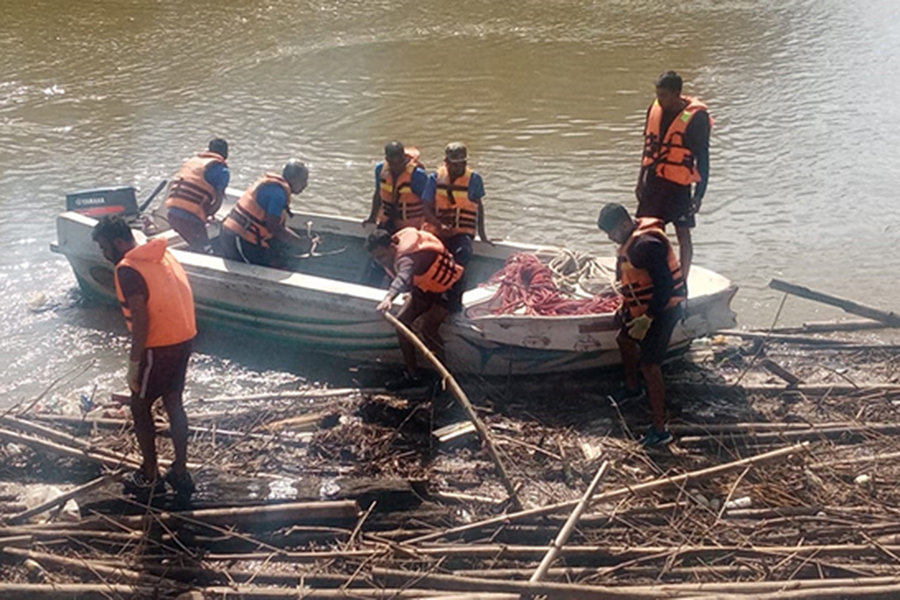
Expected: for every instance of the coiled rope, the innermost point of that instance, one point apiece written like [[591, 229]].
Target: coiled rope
[[570, 283]]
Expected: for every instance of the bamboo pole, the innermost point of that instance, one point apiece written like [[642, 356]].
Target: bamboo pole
[[267, 514], [292, 395], [849, 306], [463, 400], [831, 326], [106, 461], [639, 489], [570, 524], [105, 591], [90, 567], [62, 499], [163, 428], [816, 588], [394, 577]]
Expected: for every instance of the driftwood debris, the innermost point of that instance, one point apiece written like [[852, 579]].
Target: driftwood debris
[[643, 488], [461, 397], [715, 516], [557, 544], [888, 318]]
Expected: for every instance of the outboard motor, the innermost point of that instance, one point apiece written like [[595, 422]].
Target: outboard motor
[[104, 201]]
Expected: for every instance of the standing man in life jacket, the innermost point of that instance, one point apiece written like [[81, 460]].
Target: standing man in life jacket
[[652, 287], [421, 265], [675, 164], [196, 194], [399, 184], [156, 299], [453, 203], [256, 230]]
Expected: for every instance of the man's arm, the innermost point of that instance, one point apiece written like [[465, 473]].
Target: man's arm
[[376, 197], [651, 253], [639, 186], [697, 140], [418, 181], [402, 282], [428, 196], [134, 288], [476, 194], [218, 176]]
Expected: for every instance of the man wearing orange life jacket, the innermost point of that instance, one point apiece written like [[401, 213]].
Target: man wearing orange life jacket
[[675, 158], [158, 305], [453, 203], [421, 265], [196, 194], [399, 183], [255, 231], [652, 288]]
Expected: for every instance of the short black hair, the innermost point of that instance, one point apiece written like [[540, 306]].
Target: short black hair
[[112, 227], [394, 149], [219, 146], [379, 238], [611, 215], [670, 80]]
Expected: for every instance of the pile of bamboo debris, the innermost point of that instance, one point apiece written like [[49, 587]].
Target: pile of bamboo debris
[[776, 488]]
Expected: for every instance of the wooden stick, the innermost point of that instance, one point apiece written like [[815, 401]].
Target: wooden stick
[[809, 389], [463, 400], [569, 526], [267, 514], [472, 584], [107, 461], [642, 488], [832, 326], [105, 591], [849, 306], [163, 428], [293, 395], [776, 369], [93, 568], [760, 438], [782, 589], [62, 499], [787, 339]]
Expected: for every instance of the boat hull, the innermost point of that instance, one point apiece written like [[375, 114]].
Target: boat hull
[[333, 316]]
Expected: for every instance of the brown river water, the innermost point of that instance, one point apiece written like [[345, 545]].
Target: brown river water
[[549, 96]]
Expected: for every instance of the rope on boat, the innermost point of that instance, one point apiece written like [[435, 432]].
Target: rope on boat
[[571, 283]]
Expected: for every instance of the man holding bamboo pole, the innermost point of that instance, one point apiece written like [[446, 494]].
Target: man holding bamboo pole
[[420, 264]]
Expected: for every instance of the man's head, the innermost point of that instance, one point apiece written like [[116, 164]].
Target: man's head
[[380, 246], [395, 155], [296, 174], [455, 157], [616, 222], [114, 236], [668, 90], [219, 146]]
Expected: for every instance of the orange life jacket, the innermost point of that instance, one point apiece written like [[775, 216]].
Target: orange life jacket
[[442, 273], [399, 204], [190, 191], [452, 205], [669, 157], [248, 219], [636, 285], [170, 303]]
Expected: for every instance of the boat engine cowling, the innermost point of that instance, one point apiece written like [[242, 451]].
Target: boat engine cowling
[[104, 201]]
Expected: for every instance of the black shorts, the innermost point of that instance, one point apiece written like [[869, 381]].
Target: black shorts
[[655, 344], [162, 371], [668, 201]]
